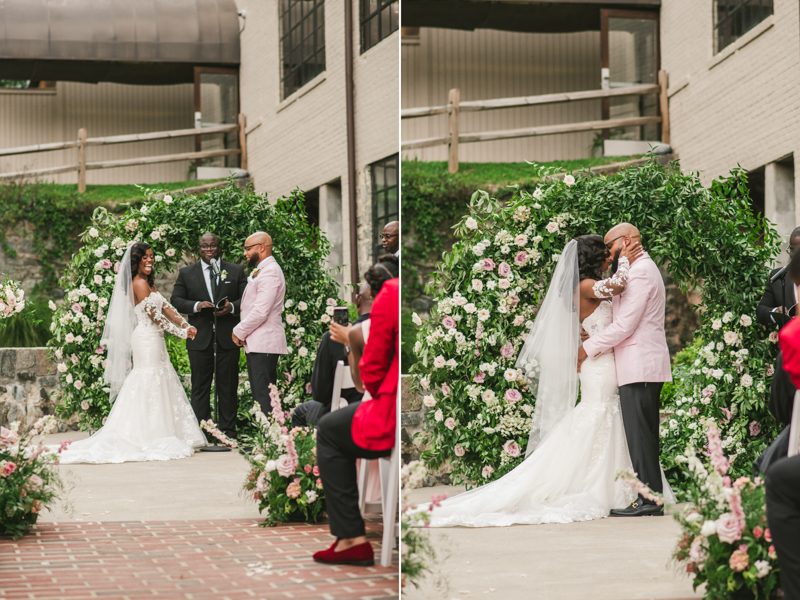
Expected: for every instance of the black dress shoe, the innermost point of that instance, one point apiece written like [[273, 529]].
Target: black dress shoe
[[639, 509]]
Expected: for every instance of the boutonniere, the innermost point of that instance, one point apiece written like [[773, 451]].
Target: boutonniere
[[224, 275], [255, 273]]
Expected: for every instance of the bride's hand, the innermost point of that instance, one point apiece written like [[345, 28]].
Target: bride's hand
[[632, 252], [191, 332]]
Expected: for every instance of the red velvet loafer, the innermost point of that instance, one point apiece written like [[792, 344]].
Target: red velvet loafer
[[360, 556]]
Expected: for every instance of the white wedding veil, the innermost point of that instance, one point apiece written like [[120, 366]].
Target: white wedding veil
[[549, 357], [120, 323]]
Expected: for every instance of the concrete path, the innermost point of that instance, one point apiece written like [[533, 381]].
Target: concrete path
[[608, 559]]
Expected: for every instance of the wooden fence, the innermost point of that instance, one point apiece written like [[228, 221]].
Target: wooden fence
[[81, 166], [454, 107]]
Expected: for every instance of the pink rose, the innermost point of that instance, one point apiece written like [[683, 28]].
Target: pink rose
[[308, 388], [521, 258], [449, 322], [728, 414], [770, 370], [293, 490], [315, 471], [507, 351], [772, 553], [504, 270], [34, 483], [285, 465], [486, 471], [768, 535], [76, 308], [513, 396], [105, 263], [488, 264], [74, 359], [319, 483], [707, 393], [445, 389], [85, 405], [9, 469], [511, 448], [459, 450], [755, 429], [116, 267], [450, 423], [99, 350], [739, 560], [307, 469], [479, 377], [728, 528], [757, 532]]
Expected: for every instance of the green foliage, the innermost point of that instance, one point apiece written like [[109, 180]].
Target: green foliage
[[28, 328], [178, 355], [707, 238], [408, 337], [173, 226]]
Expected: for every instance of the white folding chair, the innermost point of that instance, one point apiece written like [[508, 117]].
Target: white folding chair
[[342, 379]]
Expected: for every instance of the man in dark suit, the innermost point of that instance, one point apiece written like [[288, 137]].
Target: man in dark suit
[[197, 290], [771, 309], [328, 354]]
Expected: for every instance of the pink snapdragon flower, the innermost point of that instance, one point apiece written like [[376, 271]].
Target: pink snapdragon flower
[[275, 402], [718, 459]]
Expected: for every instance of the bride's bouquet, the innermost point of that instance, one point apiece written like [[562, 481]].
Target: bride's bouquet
[[284, 476], [726, 541], [28, 481]]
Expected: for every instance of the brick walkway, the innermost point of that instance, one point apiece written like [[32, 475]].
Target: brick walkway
[[193, 560]]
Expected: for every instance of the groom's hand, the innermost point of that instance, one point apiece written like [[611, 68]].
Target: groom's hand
[[582, 356]]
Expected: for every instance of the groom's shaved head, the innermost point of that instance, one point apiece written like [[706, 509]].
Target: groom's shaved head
[[623, 229], [259, 237]]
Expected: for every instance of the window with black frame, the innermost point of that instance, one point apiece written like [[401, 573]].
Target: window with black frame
[[302, 42], [734, 18], [379, 19], [385, 205]]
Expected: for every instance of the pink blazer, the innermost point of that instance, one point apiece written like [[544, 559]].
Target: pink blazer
[[637, 331], [260, 326]]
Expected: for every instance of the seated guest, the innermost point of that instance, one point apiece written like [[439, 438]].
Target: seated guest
[[362, 429], [783, 475], [328, 354], [771, 309]]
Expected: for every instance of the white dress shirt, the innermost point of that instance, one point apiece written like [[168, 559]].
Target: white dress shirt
[[208, 273]]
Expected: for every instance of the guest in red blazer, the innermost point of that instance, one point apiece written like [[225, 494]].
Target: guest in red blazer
[[365, 429]]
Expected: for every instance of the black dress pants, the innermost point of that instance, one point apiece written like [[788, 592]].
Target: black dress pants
[[640, 403], [202, 364], [309, 413], [262, 370], [783, 514], [336, 456]]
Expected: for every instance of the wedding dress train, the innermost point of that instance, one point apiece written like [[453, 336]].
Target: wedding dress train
[[571, 474], [151, 418]]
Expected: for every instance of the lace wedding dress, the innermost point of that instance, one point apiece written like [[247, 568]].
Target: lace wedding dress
[[151, 418], [571, 474]]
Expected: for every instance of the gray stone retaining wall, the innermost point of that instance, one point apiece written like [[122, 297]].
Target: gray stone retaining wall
[[27, 382]]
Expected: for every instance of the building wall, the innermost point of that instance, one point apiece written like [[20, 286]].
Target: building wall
[[30, 117], [487, 64], [301, 141], [739, 106]]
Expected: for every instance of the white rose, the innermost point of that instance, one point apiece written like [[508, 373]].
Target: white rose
[[170, 252], [155, 235], [438, 415], [291, 319], [537, 193], [511, 375], [709, 528], [167, 199], [99, 252], [329, 310], [429, 401], [62, 368], [416, 319], [93, 297], [727, 317], [747, 381], [325, 319], [478, 249], [552, 227], [93, 232], [302, 305], [311, 495], [504, 284], [470, 308], [471, 223], [477, 285], [102, 303], [521, 240], [762, 567], [717, 324], [745, 320], [303, 351], [439, 362], [483, 314], [569, 180]]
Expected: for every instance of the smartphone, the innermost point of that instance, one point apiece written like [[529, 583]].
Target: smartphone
[[341, 315]]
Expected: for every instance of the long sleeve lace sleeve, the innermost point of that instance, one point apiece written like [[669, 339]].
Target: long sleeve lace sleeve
[[158, 317], [605, 288]]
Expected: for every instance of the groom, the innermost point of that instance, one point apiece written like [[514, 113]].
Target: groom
[[261, 329], [642, 358]]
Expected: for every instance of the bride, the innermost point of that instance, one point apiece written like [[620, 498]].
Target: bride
[[151, 418], [574, 451]]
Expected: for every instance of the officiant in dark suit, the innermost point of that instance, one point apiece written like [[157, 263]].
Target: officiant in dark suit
[[772, 308], [197, 290]]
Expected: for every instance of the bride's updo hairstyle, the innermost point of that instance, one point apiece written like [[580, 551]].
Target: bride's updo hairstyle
[[138, 250], [592, 252]]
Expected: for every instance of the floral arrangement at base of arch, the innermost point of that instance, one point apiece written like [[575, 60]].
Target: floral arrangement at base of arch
[[28, 481], [725, 538], [172, 227], [284, 476], [12, 299], [487, 289]]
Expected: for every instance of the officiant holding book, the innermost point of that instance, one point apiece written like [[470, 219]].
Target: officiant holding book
[[779, 302], [208, 286]]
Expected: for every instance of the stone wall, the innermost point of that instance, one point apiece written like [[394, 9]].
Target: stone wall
[[27, 382]]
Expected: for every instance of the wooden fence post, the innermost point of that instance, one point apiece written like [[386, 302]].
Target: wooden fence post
[[452, 146], [242, 142], [664, 101], [81, 160]]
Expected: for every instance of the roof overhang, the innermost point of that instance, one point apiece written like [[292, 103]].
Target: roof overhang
[[124, 41], [526, 16]]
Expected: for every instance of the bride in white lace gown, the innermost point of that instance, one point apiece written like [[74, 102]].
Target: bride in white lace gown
[[575, 451], [151, 418]]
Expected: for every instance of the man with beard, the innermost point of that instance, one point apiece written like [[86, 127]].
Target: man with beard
[[197, 290], [261, 328], [390, 238]]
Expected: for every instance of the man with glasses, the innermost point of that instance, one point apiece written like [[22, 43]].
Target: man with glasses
[[772, 310], [261, 329], [198, 289], [390, 238]]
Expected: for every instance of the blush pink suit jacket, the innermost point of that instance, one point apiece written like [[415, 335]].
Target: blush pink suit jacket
[[261, 326], [637, 331]]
